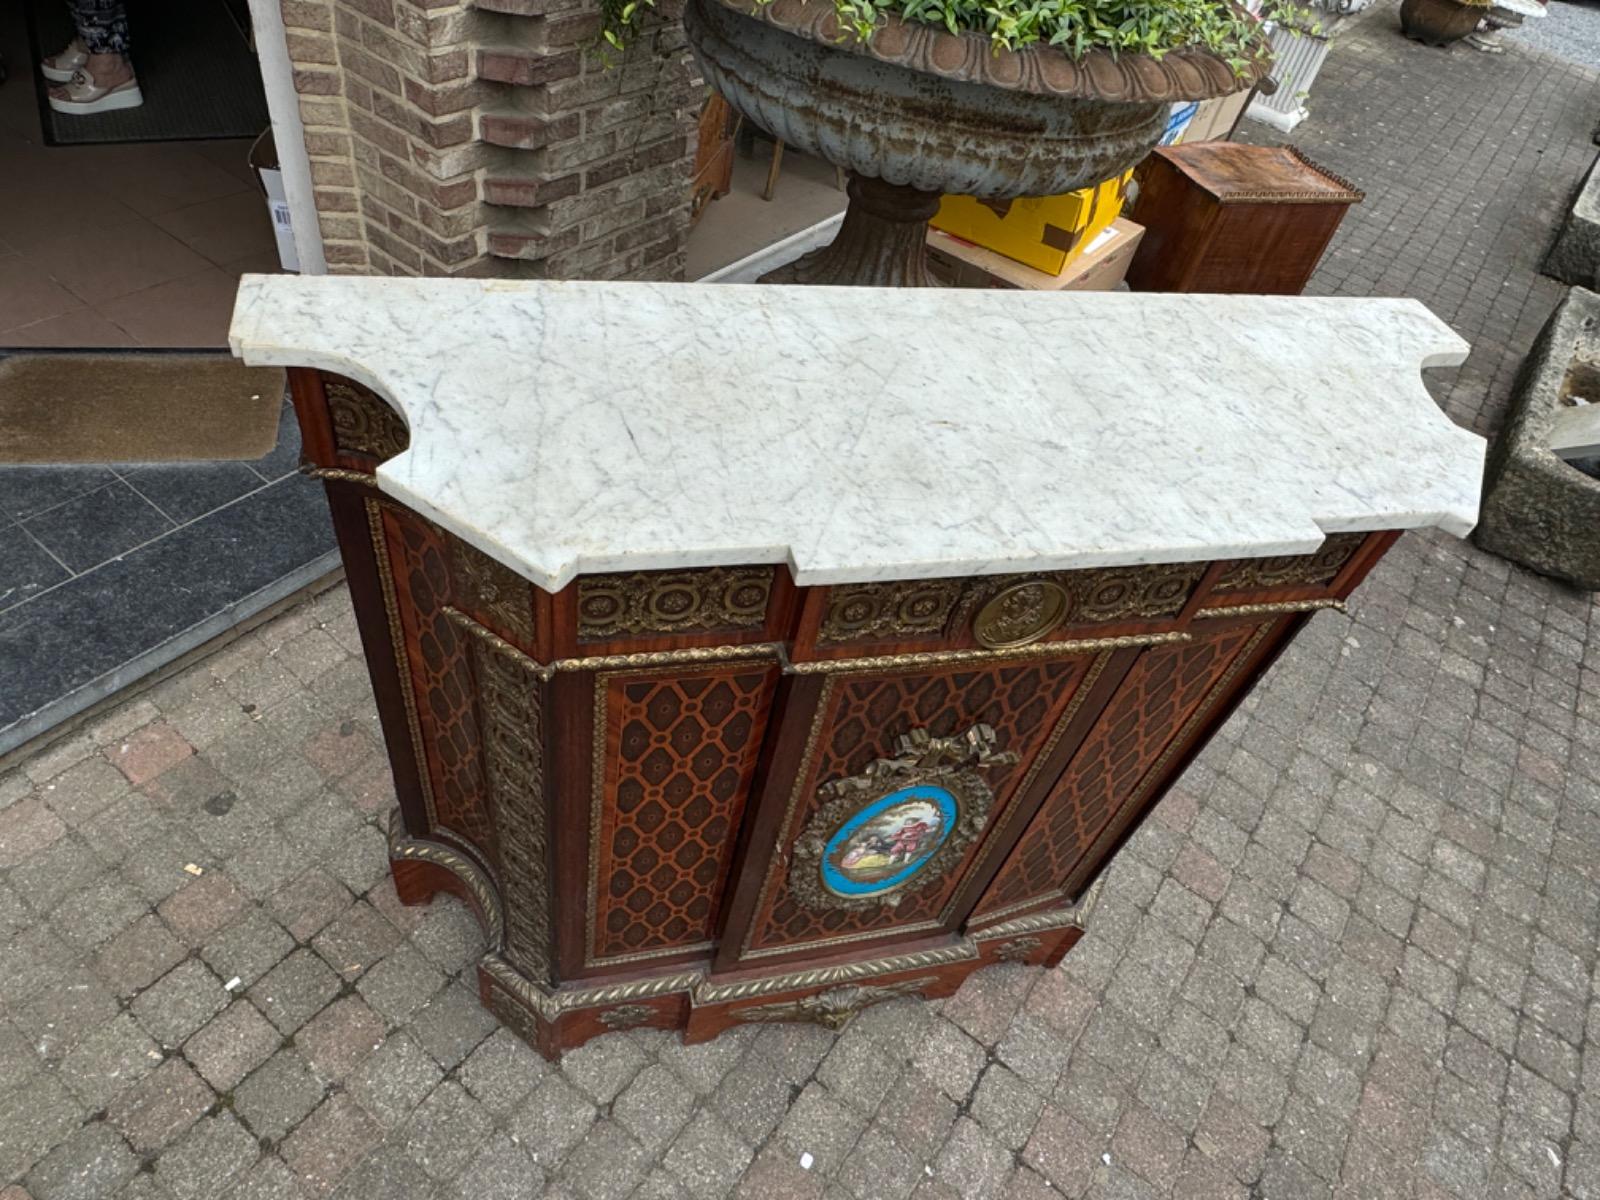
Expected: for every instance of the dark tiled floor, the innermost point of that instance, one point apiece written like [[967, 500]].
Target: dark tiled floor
[[107, 573]]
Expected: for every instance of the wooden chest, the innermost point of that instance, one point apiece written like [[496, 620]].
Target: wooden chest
[[1226, 217]]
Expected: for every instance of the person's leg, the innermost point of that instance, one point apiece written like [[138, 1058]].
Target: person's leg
[[102, 25], [105, 79]]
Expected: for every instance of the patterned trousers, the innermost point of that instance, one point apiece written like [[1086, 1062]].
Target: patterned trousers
[[102, 25]]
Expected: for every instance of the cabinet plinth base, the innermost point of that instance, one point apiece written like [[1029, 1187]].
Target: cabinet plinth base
[[701, 1004]]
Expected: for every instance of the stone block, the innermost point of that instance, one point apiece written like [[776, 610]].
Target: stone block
[[1575, 256], [1537, 509]]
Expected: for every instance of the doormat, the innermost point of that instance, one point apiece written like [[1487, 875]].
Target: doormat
[[102, 406], [195, 67]]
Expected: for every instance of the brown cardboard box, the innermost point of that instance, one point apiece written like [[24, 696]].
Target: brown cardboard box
[[1099, 268], [1216, 117]]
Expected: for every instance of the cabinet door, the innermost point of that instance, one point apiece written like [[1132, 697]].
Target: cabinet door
[[672, 753], [883, 791], [1166, 706]]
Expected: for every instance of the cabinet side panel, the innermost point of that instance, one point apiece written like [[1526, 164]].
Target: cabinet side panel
[[1120, 761], [675, 754], [441, 680]]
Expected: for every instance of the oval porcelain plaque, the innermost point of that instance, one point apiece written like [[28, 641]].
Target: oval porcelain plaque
[[887, 842]]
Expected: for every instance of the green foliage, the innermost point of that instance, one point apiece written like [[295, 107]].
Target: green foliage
[[1075, 27]]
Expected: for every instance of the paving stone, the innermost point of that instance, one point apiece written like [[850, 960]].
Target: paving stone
[[247, 949], [26, 828], [326, 1145], [84, 790], [386, 1176], [707, 1157], [819, 1123], [206, 1161], [1035, 1051], [655, 1105], [107, 1060], [138, 956], [1174, 1090], [278, 1095], [66, 866], [1063, 1150], [501, 1071], [601, 1068], [161, 1106], [1006, 1106], [340, 1037], [703, 1065], [91, 917], [951, 1059], [500, 1168], [878, 1167], [295, 990], [972, 1162], [917, 1115], [180, 1002], [1094, 1092], [357, 939], [444, 1133], [201, 907], [395, 1079], [776, 1174], [307, 903], [232, 1045], [449, 935], [552, 1120], [32, 1121], [94, 1162], [1149, 1147], [608, 1164]]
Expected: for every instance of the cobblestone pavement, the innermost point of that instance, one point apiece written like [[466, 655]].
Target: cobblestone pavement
[[1353, 954]]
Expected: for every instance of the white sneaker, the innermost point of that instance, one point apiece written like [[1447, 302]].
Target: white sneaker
[[84, 96], [61, 66]]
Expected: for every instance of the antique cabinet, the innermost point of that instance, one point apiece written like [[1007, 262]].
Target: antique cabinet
[[747, 786], [1229, 217]]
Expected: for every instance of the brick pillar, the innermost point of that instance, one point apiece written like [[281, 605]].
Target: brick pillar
[[491, 138]]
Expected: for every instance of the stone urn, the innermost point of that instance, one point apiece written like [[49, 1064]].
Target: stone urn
[[915, 112], [1440, 22]]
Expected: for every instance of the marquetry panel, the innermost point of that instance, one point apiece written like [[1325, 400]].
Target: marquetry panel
[[442, 683], [860, 720], [511, 712], [956, 611], [1293, 570], [362, 422], [1121, 760], [679, 750], [494, 593], [655, 603]]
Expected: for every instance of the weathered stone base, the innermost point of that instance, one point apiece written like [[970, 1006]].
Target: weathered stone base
[[1538, 510], [1575, 257]]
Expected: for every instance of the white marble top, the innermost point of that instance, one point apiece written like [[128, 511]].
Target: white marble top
[[856, 434]]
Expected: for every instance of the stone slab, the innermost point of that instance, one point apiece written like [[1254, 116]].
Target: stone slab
[[858, 434]]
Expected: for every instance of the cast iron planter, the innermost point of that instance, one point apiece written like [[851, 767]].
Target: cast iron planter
[[916, 112], [1439, 22]]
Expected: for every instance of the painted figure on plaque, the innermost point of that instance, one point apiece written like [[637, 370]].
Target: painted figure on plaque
[[887, 842]]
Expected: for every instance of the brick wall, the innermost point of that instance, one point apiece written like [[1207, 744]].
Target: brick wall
[[493, 139]]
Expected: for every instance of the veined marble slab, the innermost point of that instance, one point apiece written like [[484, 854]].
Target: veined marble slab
[[856, 434]]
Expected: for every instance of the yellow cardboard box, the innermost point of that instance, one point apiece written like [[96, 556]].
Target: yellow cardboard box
[[1043, 232]]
